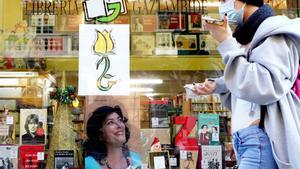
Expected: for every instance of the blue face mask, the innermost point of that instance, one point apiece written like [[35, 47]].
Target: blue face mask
[[234, 16]]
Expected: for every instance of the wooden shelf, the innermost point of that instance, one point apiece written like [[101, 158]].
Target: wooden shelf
[[149, 63]]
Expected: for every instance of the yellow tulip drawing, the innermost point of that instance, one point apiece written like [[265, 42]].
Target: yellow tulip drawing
[[103, 47], [104, 43]]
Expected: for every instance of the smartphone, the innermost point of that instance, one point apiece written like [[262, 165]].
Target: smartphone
[[209, 19]]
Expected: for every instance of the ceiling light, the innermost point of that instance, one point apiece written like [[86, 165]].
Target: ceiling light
[[18, 74], [141, 89]]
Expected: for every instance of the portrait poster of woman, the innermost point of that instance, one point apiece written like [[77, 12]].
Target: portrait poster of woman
[[130, 110], [33, 124]]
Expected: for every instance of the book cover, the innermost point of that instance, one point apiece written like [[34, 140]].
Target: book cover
[[208, 45], [31, 156], [63, 159], [68, 23], [159, 114], [211, 157], [186, 42], [142, 44], [143, 23], [8, 157], [33, 124], [208, 129], [164, 40], [7, 127], [195, 22], [184, 132], [147, 136], [170, 22], [188, 159], [149, 23]]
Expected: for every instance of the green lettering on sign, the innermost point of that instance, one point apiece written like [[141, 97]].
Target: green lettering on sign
[[116, 7]]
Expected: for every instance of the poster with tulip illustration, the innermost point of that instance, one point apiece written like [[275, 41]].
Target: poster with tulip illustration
[[104, 59]]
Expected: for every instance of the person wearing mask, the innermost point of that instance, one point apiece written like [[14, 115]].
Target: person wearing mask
[[108, 134], [261, 61]]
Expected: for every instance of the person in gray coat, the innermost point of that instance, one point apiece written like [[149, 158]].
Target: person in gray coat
[[261, 63]]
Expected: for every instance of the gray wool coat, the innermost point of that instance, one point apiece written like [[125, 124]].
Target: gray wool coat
[[266, 78]]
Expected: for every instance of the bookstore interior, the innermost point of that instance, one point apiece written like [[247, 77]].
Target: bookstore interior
[[48, 90]]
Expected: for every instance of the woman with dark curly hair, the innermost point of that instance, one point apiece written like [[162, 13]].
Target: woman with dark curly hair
[[106, 146]]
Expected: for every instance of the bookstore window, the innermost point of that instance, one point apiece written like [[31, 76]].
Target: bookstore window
[[43, 119]]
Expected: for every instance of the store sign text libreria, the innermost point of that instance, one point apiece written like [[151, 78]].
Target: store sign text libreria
[[55, 7], [72, 7]]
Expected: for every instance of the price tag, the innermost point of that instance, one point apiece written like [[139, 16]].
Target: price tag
[[183, 155], [9, 120], [40, 156]]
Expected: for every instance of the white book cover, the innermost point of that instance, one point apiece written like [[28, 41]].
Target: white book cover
[[8, 157], [211, 157]]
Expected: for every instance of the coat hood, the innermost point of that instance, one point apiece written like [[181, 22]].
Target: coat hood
[[278, 25]]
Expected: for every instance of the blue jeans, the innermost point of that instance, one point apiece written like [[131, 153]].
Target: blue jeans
[[253, 149]]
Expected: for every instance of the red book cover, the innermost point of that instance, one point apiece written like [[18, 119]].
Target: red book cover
[[31, 156]]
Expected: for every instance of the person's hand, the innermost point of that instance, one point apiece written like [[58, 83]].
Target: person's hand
[[219, 32], [206, 88]]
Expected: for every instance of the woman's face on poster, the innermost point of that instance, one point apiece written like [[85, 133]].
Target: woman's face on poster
[[32, 126], [114, 130]]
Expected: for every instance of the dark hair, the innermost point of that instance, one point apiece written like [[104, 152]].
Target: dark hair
[[257, 3], [31, 117], [203, 126], [94, 146]]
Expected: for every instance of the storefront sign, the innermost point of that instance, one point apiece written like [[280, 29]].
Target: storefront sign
[[56, 7], [104, 59], [154, 6], [103, 10]]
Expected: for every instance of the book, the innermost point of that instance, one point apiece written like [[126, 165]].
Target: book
[[208, 45], [31, 156], [68, 23], [9, 157], [164, 44], [211, 157], [208, 129], [195, 22], [159, 114], [147, 136], [186, 42], [63, 158], [170, 22], [142, 44], [143, 23], [7, 128], [184, 132], [188, 159], [33, 126]]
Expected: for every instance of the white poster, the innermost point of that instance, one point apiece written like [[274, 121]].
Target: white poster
[[33, 126], [104, 60]]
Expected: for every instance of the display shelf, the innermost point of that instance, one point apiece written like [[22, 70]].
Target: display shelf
[[150, 63]]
